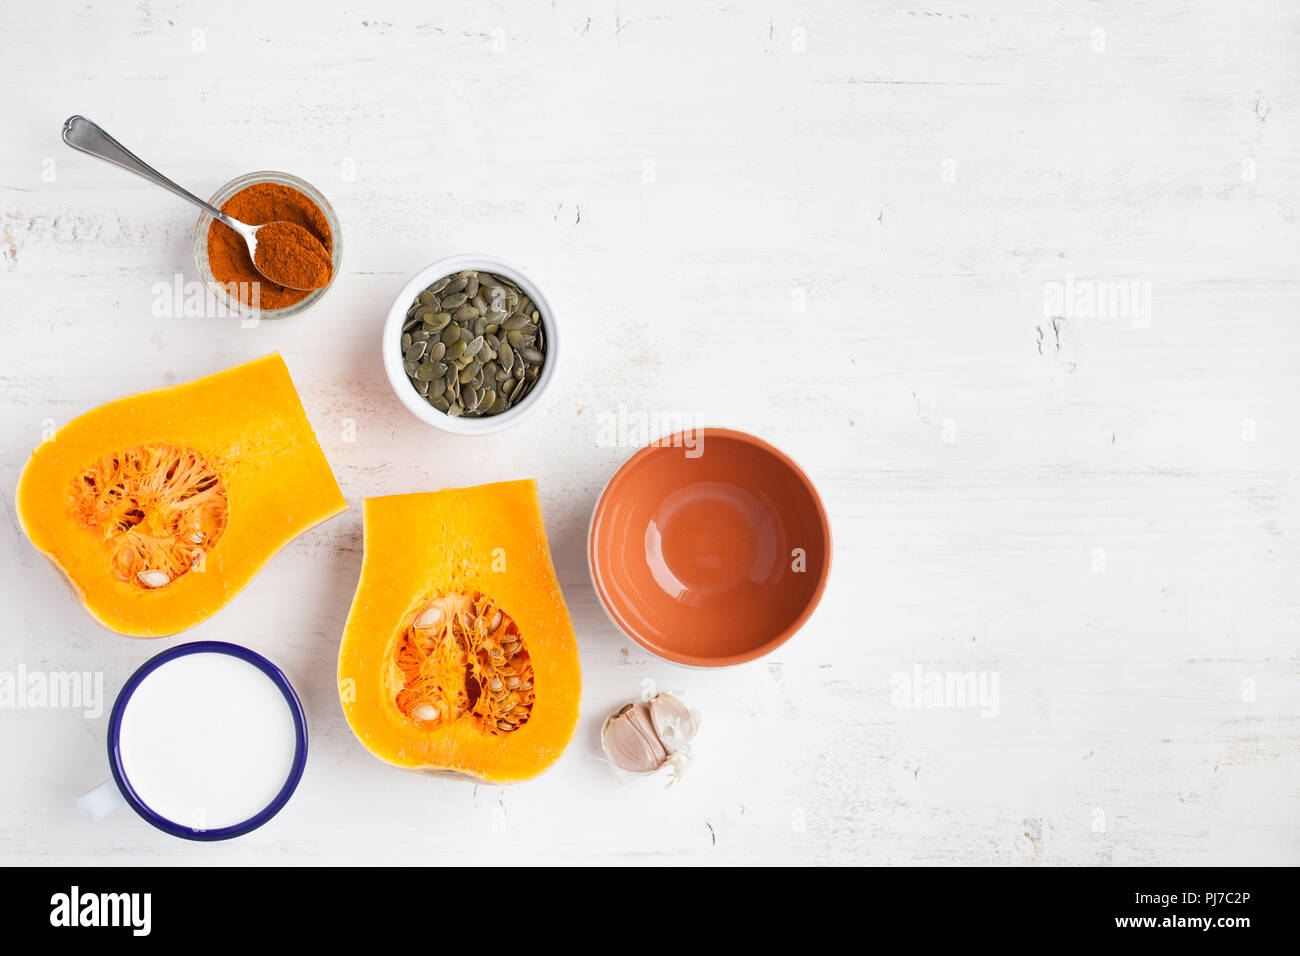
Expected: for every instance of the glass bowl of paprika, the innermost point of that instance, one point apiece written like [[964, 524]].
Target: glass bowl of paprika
[[222, 256]]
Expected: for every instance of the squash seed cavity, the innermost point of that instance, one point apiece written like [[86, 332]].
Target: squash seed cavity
[[157, 508], [461, 657]]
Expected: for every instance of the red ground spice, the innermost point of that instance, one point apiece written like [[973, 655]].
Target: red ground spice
[[257, 205]]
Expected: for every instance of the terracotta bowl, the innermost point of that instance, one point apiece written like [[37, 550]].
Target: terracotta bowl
[[693, 548]]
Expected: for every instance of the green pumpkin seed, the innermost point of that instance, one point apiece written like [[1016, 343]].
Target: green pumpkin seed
[[473, 344]]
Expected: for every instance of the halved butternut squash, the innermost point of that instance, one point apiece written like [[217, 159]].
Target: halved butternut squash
[[458, 655], [159, 507]]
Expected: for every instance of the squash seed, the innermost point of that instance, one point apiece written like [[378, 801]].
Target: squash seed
[[473, 344]]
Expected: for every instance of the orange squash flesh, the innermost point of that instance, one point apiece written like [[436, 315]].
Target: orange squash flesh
[[192, 488], [497, 698]]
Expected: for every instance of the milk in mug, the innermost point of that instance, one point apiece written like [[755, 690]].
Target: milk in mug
[[207, 740]]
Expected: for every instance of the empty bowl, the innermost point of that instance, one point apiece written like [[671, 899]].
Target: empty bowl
[[709, 548]]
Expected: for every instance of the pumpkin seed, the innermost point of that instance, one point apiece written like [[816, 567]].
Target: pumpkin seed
[[473, 345], [430, 370]]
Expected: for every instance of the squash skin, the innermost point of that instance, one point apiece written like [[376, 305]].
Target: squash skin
[[443, 541], [250, 423]]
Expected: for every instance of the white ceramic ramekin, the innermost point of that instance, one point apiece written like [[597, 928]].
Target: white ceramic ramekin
[[392, 346]]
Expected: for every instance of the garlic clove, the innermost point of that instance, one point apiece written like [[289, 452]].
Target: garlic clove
[[629, 740], [674, 723]]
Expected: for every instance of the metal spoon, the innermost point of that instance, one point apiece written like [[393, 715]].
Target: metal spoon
[[80, 133]]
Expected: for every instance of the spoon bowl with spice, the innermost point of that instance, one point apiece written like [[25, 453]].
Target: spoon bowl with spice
[[281, 251]]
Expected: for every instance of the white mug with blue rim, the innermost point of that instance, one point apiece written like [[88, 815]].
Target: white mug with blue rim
[[206, 741]]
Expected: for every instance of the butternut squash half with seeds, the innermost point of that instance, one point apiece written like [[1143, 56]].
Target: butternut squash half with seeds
[[159, 507], [458, 653]]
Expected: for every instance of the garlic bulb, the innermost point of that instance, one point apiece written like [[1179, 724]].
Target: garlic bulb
[[644, 738]]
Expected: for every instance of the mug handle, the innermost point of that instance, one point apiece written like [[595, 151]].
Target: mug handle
[[100, 801]]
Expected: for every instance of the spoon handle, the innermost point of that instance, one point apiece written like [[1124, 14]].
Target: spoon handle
[[80, 133]]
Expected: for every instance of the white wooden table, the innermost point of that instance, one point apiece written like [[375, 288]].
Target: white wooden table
[[891, 239]]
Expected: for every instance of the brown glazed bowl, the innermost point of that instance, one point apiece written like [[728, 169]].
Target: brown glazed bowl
[[709, 548]]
